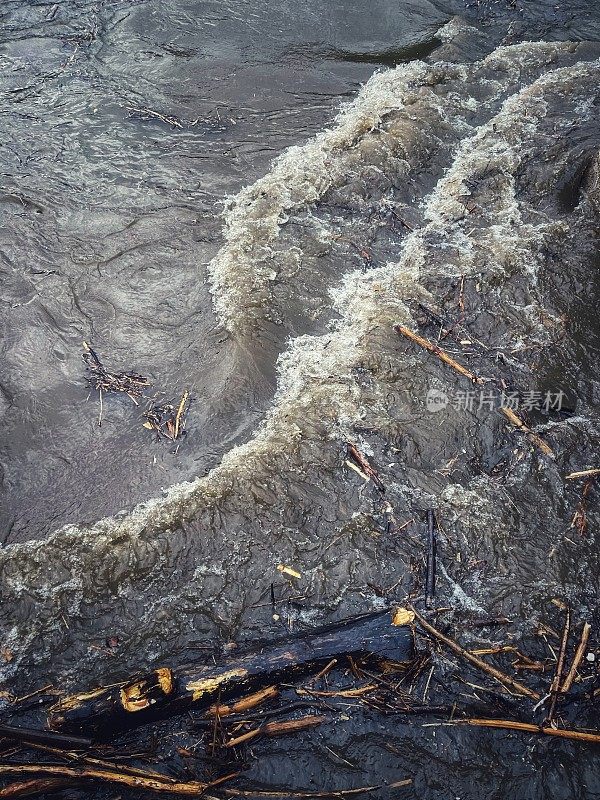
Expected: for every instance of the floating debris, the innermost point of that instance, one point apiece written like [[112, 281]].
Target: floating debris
[[285, 570], [168, 420], [103, 380], [586, 473], [431, 557], [358, 462]]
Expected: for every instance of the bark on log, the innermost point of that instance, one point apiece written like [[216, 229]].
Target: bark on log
[[164, 692]]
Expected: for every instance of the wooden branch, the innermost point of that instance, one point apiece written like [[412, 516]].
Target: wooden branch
[[580, 521], [431, 553], [278, 729], [535, 439], [586, 473], [78, 774], [80, 758], [107, 710], [358, 691], [243, 705], [526, 727], [500, 676], [579, 653], [180, 410], [560, 665], [366, 468], [437, 351]]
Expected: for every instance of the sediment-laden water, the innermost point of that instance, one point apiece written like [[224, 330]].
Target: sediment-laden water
[[256, 243]]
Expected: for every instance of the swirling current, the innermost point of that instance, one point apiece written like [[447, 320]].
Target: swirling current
[[243, 200]]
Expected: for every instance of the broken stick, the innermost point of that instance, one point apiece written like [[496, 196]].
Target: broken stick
[[367, 470], [278, 729], [78, 774], [502, 677], [243, 705], [436, 351], [431, 552], [537, 440], [526, 727], [579, 653], [585, 473], [560, 665], [44, 737]]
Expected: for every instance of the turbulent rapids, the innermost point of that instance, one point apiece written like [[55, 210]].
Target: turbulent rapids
[[469, 190]]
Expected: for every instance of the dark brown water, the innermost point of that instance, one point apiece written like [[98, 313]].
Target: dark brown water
[[242, 200]]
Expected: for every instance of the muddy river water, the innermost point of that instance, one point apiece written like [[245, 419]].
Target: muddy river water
[[242, 199]]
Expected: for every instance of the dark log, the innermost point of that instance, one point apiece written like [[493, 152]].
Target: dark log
[[105, 711]]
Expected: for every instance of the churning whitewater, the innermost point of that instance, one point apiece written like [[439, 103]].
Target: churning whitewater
[[443, 185]]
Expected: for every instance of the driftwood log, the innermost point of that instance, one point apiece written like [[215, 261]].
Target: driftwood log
[[164, 692]]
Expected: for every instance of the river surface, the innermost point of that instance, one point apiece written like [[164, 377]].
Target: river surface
[[242, 200]]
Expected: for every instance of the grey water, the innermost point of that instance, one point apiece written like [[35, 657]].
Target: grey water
[[242, 199]]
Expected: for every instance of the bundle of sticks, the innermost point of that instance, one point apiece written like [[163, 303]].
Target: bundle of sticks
[[103, 380]]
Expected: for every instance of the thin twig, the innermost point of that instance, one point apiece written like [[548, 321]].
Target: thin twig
[[500, 676], [579, 653], [437, 351], [526, 727], [189, 788], [537, 440], [560, 665], [585, 473]]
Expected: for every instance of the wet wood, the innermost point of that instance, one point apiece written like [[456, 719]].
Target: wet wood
[[362, 463], [243, 705], [502, 677], [579, 521], [560, 665], [585, 473], [105, 711], [104, 380], [44, 737], [579, 654], [533, 437], [526, 727], [431, 554], [73, 775], [35, 786], [278, 729], [402, 330], [326, 793], [357, 691]]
